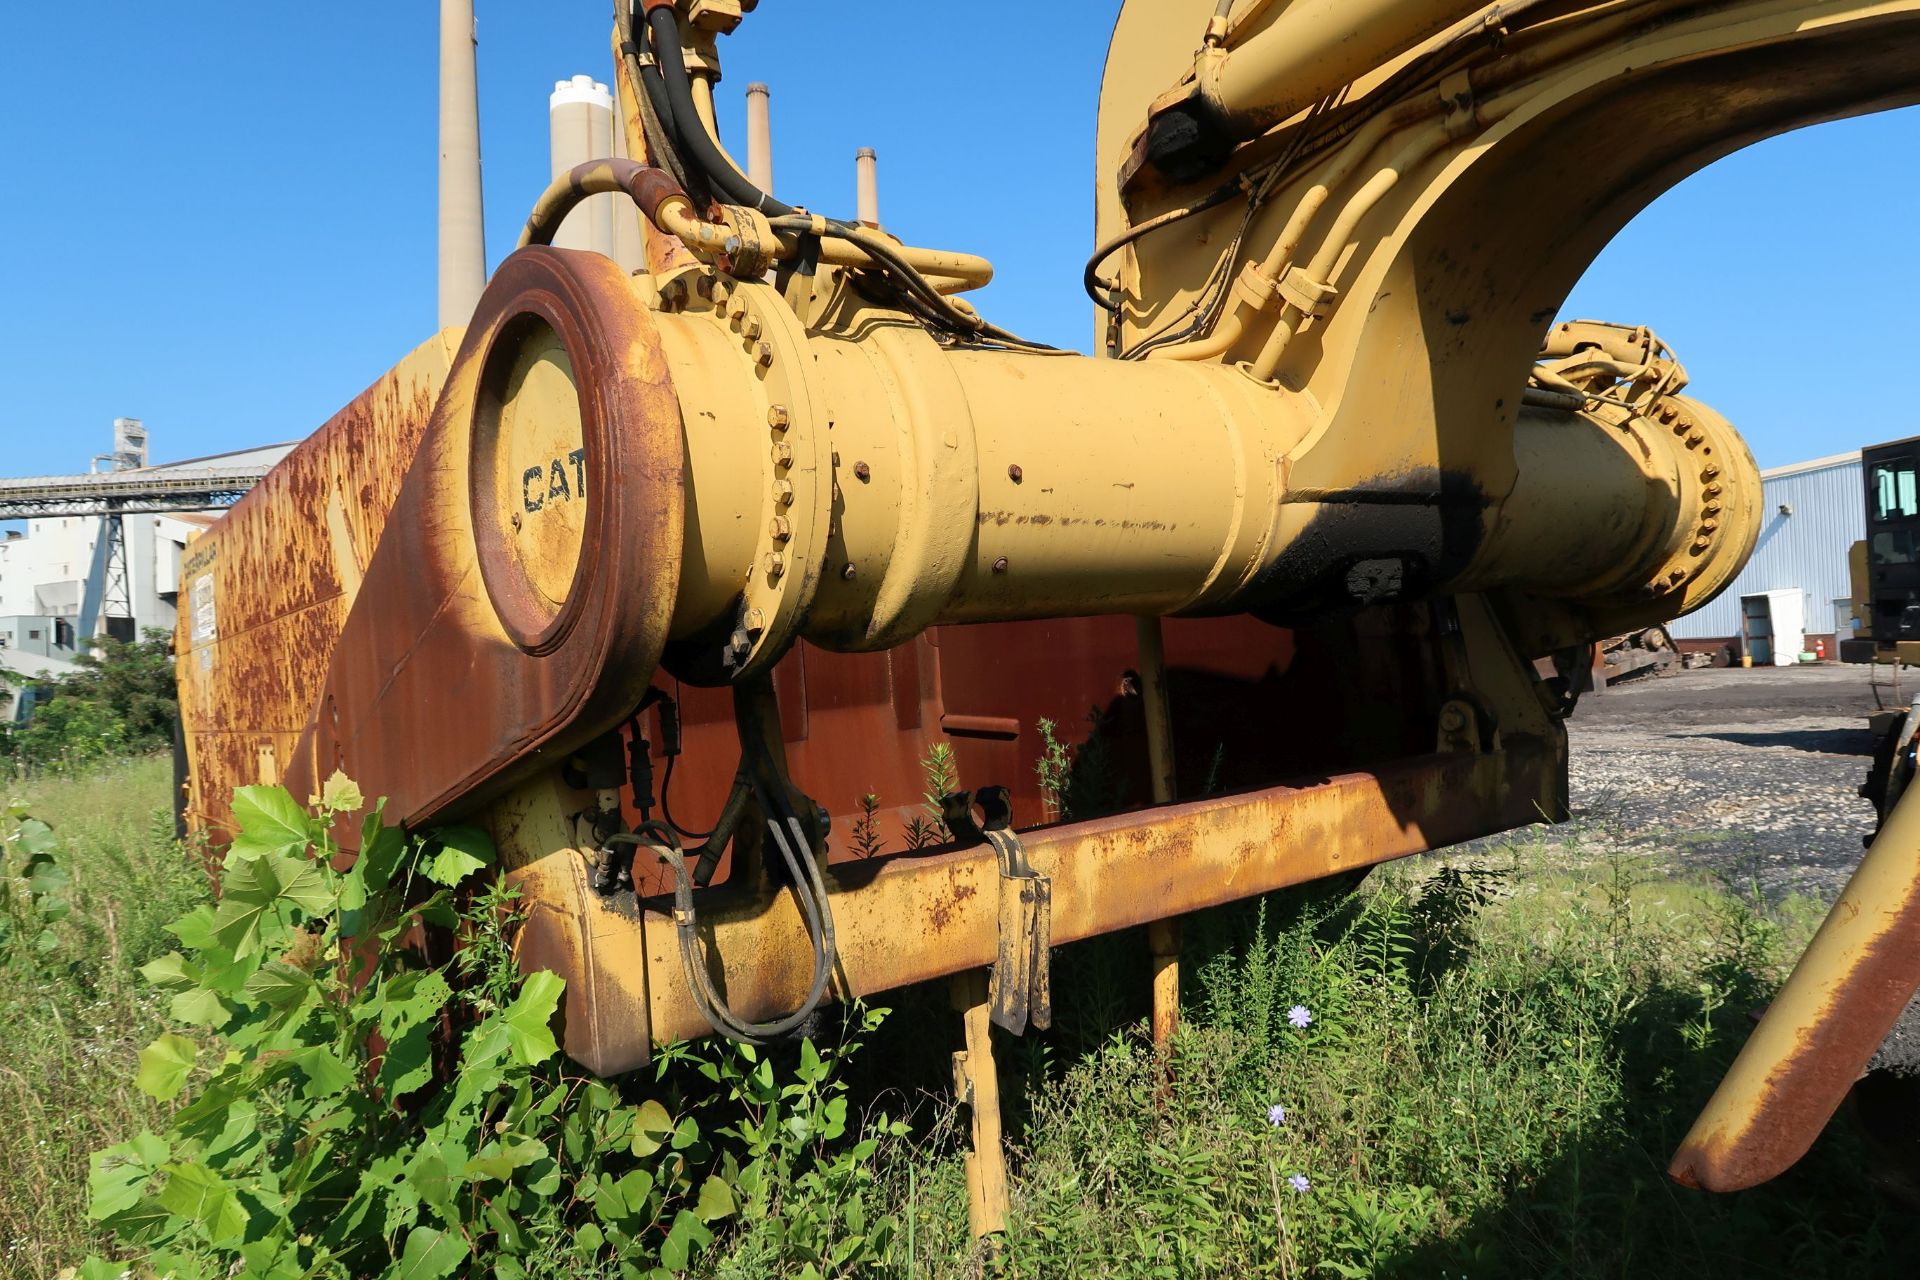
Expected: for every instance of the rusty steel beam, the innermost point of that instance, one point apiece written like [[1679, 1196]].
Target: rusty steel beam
[[1108, 874], [1823, 1026]]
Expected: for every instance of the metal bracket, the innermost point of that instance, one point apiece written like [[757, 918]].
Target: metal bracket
[[1021, 990]]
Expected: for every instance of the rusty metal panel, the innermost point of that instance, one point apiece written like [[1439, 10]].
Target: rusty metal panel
[[265, 591], [1107, 874], [464, 659], [1823, 1026]]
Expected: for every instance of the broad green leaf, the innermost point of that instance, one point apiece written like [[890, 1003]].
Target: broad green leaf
[[431, 1178], [431, 1254], [246, 919], [635, 1188], [270, 821], [341, 794], [164, 1065], [716, 1200], [509, 1237], [652, 1126], [117, 1177], [194, 929], [382, 850], [34, 837], [683, 1237], [45, 876], [458, 853], [527, 1018], [170, 972], [608, 1204], [98, 1268], [199, 1194], [326, 1074], [279, 985], [406, 1065], [199, 1007], [498, 1161], [411, 999]]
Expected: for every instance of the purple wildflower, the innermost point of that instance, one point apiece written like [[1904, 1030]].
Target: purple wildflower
[[1276, 1115], [1299, 1183], [1299, 1015]]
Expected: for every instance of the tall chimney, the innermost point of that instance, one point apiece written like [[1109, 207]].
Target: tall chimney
[[463, 237], [580, 128], [866, 169], [759, 138]]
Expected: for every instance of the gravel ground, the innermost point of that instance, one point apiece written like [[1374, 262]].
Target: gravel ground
[[1750, 775]]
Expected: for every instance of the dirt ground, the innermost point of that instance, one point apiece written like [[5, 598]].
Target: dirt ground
[[1749, 774]]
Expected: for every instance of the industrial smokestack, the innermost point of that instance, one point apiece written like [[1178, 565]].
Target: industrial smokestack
[[866, 167], [580, 128], [463, 237], [759, 137]]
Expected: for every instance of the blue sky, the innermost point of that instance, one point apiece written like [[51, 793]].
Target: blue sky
[[219, 217]]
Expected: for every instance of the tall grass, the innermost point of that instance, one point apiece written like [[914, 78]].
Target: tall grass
[[73, 1020], [1499, 1063], [1500, 1059]]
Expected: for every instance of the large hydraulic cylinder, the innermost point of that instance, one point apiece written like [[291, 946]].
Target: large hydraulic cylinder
[[615, 483]]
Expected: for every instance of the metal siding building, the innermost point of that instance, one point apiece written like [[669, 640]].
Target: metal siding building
[[1806, 549]]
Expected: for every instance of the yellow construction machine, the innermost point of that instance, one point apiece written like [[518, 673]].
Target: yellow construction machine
[[658, 575]]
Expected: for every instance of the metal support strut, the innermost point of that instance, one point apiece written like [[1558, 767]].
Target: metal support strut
[[977, 1086], [1163, 936]]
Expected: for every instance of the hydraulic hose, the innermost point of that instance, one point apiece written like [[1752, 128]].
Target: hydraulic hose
[[664, 28], [784, 829]]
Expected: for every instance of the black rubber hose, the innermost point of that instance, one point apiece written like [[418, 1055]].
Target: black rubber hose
[[699, 148]]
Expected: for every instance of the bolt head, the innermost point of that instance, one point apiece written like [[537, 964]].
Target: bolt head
[[779, 529], [754, 620], [1015, 474], [776, 565], [1000, 565], [762, 355], [862, 472], [847, 573], [782, 492], [782, 454], [777, 417]]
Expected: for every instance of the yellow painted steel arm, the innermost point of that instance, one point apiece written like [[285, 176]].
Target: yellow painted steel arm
[[1822, 1029]]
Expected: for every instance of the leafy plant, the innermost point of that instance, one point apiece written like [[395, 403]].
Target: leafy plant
[[866, 827], [32, 883], [1055, 767], [942, 777], [120, 700], [348, 1109]]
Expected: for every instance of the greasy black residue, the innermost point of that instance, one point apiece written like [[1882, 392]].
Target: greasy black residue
[[1431, 521]]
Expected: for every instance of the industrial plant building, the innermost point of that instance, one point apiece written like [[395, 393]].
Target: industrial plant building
[[1794, 596]]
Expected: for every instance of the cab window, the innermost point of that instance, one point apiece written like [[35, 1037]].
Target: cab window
[[1896, 491]]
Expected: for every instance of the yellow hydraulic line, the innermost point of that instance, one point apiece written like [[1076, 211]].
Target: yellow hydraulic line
[[1333, 172], [1422, 145], [1821, 1030]]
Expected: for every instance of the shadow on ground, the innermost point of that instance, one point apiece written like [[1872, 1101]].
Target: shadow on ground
[[1831, 742]]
